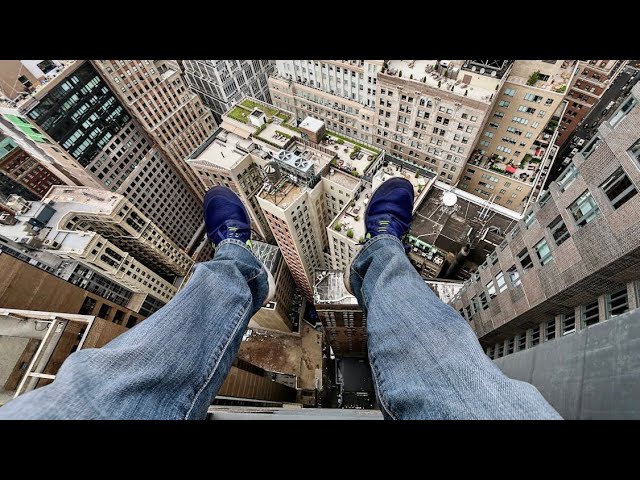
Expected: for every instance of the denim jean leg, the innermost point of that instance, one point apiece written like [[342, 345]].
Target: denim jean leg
[[171, 365], [426, 360]]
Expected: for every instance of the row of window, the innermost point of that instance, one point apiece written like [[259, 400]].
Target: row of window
[[615, 303]]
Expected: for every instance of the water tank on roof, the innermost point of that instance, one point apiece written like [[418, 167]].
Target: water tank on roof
[[273, 172]]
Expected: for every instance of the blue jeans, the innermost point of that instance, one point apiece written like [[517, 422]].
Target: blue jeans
[[426, 360]]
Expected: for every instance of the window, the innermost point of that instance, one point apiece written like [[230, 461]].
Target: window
[[525, 260], [502, 284], [529, 218], [522, 341], [499, 349], [590, 313], [509, 91], [622, 111], [590, 147], [483, 301], [533, 98], [503, 103], [491, 288], [584, 209], [535, 335], [511, 345], [521, 120], [543, 251], [559, 230], [567, 177], [618, 188], [617, 302], [550, 330], [634, 151], [568, 324]]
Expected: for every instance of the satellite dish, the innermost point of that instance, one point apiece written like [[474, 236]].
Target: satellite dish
[[449, 199]]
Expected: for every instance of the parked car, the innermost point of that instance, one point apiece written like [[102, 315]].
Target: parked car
[[580, 142], [574, 151]]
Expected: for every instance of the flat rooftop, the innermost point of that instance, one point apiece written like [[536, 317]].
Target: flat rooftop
[[341, 178], [559, 73], [344, 149], [328, 288], [425, 70], [221, 149], [38, 86], [490, 68], [95, 200], [286, 353], [311, 124], [352, 216], [283, 194], [243, 109], [450, 228]]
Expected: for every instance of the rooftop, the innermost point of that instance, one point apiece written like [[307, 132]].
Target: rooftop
[[243, 109], [341, 178], [549, 75], [424, 71], [351, 219], [490, 68], [283, 194], [352, 156], [450, 228], [62, 66], [328, 288], [311, 124], [90, 199], [286, 353]]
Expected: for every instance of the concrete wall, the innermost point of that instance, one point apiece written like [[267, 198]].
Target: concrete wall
[[591, 374]]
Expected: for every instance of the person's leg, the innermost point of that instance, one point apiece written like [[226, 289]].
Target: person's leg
[[172, 364], [426, 360]]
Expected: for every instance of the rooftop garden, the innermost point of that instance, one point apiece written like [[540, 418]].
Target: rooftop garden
[[239, 113], [250, 105], [354, 142]]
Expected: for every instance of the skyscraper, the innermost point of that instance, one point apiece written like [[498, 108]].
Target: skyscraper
[[154, 92], [223, 83], [573, 260], [514, 145], [79, 111]]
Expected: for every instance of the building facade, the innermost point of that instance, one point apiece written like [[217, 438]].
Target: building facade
[[20, 168], [512, 149], [80, 113], [591, 80], [340, 92], [98, 240], [223, 83], [155, 93], [574, 259], [276, 315]]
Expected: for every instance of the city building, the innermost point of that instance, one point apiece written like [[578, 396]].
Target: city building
[[82, 117], [347, 230], [512, 150], [223, 83], [236, 153], [21, 174], [431, 112], [342, 93], [100, 241], [278, 314], [28, 137], [453, 231], [34, 345], [19, 77], [155, 93], [574, 259], [344, 322], [591, 80], [26, 285]]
